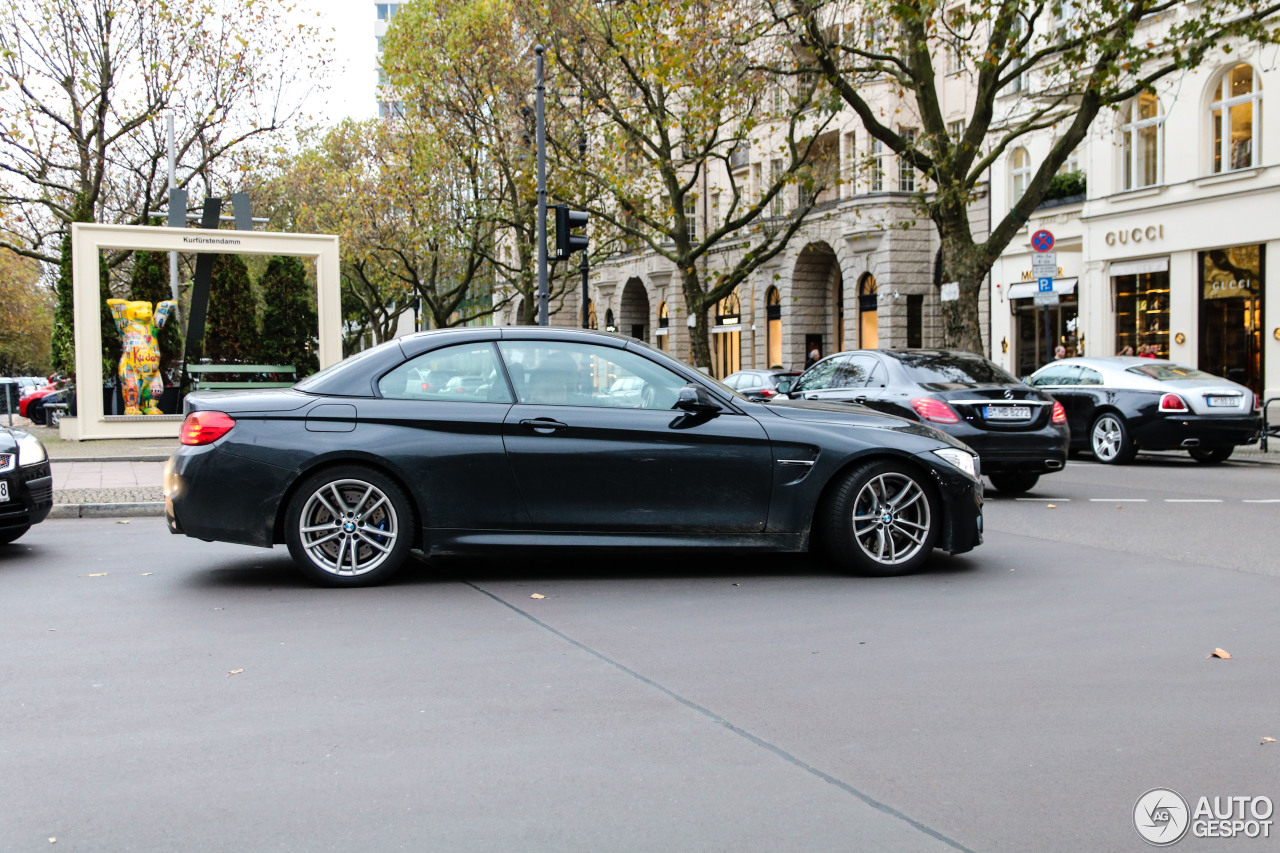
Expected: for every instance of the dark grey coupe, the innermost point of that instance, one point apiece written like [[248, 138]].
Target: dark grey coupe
[[570, 439]]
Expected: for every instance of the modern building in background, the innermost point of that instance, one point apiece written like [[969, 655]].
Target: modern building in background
[[1167, 249], [385, 13]]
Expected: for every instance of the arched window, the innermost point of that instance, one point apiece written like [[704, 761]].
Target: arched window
[[726, 339], [1019, 174], [591, 315], [1233, 116], [773, 326], [729, 310], [1142, 125], [609, 325], [664, 328]]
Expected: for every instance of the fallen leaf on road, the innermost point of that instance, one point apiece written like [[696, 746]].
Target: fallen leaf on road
[[1051, 506], [146, 574], [234, 672], [1268, 740], [95, 575], [126, 521], [536, 595], [737, 584], [1220, 653]]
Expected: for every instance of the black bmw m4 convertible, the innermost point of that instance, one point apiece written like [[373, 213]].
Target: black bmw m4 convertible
[[475, 440]]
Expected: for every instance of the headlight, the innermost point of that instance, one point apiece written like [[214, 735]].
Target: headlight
[[961, 459], [30, 450]]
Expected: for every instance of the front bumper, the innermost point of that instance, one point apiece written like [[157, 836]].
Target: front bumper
[[1172, 432], [962, 511], [30, 496]]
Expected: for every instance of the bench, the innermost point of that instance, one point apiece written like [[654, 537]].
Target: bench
[[198, 373]]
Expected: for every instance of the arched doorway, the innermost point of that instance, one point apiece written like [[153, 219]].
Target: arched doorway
[[773, 327], [726, 337], [633, 310], [609, 324], [868, 319], [663, 333], [813, 316], [591, 315]]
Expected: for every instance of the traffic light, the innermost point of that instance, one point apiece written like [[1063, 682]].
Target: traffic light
[[566, 241]]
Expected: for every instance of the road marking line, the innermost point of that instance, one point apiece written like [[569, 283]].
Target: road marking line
[[1267, 501], [1118, 500], [1044, 500], [1193, 500]]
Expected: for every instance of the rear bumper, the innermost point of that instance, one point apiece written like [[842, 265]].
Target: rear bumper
[[1175, 432], [216, 496], [1035, 452]]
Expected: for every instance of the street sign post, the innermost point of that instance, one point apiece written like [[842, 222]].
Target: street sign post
[[1044, 266], [1044, 284], [1042, 240]]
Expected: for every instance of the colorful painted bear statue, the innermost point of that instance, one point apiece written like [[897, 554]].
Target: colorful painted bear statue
[[140, 361]]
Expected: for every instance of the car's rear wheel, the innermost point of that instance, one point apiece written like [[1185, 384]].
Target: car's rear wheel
[[1014, 483], [882, 520], [1211, 455], [349, 526], [12, 534], [1110, 441]]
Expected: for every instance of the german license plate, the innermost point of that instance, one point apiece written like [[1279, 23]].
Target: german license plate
[[1223, 401], [1007, 413], [4, 491]]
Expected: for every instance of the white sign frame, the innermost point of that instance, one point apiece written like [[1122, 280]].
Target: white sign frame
[[88, 240]]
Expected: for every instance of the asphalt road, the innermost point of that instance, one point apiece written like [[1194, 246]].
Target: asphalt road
[[165, 694]]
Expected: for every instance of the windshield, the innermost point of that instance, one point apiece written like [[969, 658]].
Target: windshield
[[1166, 372], [952, 368]]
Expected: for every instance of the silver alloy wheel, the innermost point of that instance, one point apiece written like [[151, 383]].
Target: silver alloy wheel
[[1107, 438], [348, 527], [891, 518]]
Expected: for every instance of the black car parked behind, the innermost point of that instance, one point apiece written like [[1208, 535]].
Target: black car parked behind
[[1018, 432]]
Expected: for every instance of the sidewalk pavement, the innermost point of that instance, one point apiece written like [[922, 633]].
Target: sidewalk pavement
[[125, 477]]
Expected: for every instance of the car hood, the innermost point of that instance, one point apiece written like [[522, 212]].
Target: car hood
[[8, 441], [854, 414]]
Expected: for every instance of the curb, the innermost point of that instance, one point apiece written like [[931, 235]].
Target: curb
[[138, 458], [134, 509]]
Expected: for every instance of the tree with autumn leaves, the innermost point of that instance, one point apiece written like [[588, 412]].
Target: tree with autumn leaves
[[1046, 66]]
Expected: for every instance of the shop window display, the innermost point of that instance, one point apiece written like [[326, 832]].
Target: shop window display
[[1142, 312]]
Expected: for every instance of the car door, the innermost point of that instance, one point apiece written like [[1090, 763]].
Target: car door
[[447, 446], [819, 381], [584, 461], [1063, 383]]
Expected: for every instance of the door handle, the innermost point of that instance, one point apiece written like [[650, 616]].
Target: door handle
[[543, 426], [811, 396], [861, 398]]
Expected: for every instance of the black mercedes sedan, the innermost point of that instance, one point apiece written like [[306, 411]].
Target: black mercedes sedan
[[1119, 405], [26, 484], [1019, 432], [361, 463]]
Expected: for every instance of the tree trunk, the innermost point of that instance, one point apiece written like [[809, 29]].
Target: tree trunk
[[965, 264], [700, 332]]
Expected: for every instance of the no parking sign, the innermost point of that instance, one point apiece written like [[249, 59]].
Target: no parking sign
[[1042, 240]]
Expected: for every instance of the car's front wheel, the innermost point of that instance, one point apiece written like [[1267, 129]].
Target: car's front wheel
[[349, 526], [1014, 483], [1211, 455], [12, 534], [1109, 439], [883, 519]]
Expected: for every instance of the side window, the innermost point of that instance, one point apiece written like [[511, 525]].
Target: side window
[[737, 381], [467, 372], [1089, 376], [879, 374], [571, 374], [820, 376], [854, 372], [1057, 375]]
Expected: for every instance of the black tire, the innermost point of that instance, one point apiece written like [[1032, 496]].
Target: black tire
[[36, 412], [372, 532], [1015, 482], [12, 534], [1110, 441], [878, 508], [1211, 455]]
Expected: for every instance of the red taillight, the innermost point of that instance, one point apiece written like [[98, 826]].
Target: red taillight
[[934, 410], [768, 392], [1172, 403], [1059, 413], [205, 428]]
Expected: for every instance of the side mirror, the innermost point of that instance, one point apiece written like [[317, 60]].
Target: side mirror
[[695, 400], [784, 386]]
